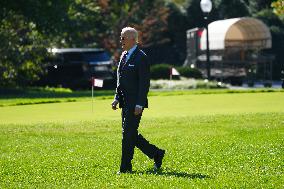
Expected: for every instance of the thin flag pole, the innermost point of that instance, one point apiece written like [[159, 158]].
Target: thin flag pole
[[93, 95], [95, 83]]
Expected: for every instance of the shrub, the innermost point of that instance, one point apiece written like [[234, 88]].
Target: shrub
[[267, 84], [160, 71], [250, 83], [189, 72]]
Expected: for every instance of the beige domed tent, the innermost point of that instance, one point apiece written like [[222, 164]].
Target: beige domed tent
[[236, 49], [244, 33]]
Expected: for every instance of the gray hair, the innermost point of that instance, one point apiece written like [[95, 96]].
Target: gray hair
[[131, 32]]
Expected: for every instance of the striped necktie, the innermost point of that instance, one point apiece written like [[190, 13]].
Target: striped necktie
[[123, 60]]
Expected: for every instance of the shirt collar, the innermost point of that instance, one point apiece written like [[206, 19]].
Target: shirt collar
[[132, 50]]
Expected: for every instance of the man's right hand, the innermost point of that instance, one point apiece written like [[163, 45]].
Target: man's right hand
[[114, 104]]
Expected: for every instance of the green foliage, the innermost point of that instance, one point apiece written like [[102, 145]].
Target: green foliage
[[160, 71], [189, 72], [194, 14], [23, 49], [232, 9], [278, 8], [177, 24], [276, 28]]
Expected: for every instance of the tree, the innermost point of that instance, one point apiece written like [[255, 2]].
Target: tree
[[232, 9], [278, 8], [148, 17], [254, 6], [276, 27], [27, 29], [22, 49]]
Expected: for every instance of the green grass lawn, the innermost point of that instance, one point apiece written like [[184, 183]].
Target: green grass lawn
[[212, 141]]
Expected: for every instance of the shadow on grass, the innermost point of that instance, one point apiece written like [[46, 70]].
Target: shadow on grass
[[175, 173]]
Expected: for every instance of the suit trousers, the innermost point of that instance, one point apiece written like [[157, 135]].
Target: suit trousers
[[131, 138]]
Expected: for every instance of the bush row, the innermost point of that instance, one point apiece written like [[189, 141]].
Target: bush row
[[162, 71]]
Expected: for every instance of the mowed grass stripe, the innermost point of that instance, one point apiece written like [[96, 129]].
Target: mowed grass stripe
[[159, 106], [216, 140], [221, 151], [30, 96]]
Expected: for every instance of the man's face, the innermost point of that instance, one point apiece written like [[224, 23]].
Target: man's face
[[127, 41]]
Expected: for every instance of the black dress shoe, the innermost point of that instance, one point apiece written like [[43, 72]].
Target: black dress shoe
[[158, 158], [125, 168]]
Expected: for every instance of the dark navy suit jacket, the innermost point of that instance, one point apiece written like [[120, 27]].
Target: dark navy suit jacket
[[133, 81]]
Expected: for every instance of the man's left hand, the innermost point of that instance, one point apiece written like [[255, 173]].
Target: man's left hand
[[138, 111]]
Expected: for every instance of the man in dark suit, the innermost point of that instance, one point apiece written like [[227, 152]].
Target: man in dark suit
[[133, 81]]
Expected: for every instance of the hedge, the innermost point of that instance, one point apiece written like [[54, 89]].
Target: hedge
[[162, 71]]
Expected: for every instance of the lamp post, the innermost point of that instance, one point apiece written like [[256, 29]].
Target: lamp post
[[206, 7]]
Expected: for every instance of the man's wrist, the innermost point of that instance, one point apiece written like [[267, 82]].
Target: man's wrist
[[138, 106]]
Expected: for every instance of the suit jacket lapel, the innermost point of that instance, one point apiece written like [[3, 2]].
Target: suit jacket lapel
[[121, 64], [132, 56]]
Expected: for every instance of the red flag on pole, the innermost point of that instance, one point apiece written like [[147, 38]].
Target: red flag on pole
[[97, 82], [173, 71]]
